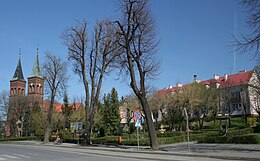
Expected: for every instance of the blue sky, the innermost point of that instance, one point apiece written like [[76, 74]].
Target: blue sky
[[195, 37]]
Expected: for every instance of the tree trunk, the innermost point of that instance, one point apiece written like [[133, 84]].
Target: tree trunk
[[151, 129], [47, 133], [48, 124], [88, 129]]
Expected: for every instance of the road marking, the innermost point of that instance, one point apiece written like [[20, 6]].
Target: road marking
[[32, 154], [21, 155], [10, 156], [2, 159]]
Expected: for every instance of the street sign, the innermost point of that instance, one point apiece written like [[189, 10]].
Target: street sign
[[138, 124], [80, 127], [137, 115], [76, 127]]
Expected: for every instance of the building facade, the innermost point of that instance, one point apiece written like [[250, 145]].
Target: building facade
[[237, 96]]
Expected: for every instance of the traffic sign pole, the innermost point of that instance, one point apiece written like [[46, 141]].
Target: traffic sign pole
[[137, 117], [137, 129]]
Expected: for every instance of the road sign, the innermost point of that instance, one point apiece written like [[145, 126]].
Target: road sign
[[137, 115], [138, 123]]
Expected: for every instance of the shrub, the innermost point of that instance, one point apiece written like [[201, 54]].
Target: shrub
[[251, 121], [169, 140], [39, 134], [257, 128], [239, 132], [19, 138], [169, 134], [243, 139]]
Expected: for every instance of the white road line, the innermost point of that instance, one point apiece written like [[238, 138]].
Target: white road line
[[10, 156], [32, 154], [2, 159], [21, 155]]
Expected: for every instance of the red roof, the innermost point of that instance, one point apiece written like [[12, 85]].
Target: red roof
[[232, 80], [58, 106], [241, 78]]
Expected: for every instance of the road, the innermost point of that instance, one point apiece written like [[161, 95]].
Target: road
[[15, 152], [10, 152]]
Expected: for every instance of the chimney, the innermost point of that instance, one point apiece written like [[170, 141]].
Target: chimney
[[178, 85], [195, 77], [215, 76], [225, 77], [217, 85]]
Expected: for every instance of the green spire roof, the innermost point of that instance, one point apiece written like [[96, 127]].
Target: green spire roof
[[18, 74], [36, 71]]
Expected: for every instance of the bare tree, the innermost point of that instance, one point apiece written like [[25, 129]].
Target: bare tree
[[55, 76], [137, 37], [91, 63], [18, 107], [250, 42]]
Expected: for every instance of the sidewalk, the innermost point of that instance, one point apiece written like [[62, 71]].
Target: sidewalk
[[211, 151]]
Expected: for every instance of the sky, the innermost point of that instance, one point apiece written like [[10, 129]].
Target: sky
[[195, 38]]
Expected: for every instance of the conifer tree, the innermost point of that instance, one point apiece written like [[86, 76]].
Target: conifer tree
[[110, 117]]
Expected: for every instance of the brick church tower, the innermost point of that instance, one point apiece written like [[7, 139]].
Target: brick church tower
[[36, 82], [17, 83], [17, 90]]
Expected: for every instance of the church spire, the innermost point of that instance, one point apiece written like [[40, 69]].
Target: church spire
[[36, 71], [18, 74]]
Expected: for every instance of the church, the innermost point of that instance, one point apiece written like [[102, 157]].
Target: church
[[35, 94], [20, 101]]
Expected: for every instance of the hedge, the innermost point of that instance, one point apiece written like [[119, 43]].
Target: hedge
[[170, 140], [19, 138], [239, 132], [243, 139]]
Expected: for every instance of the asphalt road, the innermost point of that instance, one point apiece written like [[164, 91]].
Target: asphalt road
[[17, 152], [10, 152]]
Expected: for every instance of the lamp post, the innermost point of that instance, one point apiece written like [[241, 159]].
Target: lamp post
[[187, 128]]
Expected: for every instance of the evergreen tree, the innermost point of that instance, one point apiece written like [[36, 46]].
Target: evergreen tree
[[66, 110], [110, 112]]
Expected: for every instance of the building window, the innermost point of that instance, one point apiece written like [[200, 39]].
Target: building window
[[235, 95], [236, 106]]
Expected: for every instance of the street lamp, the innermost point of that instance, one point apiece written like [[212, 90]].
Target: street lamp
[[187, 128]]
